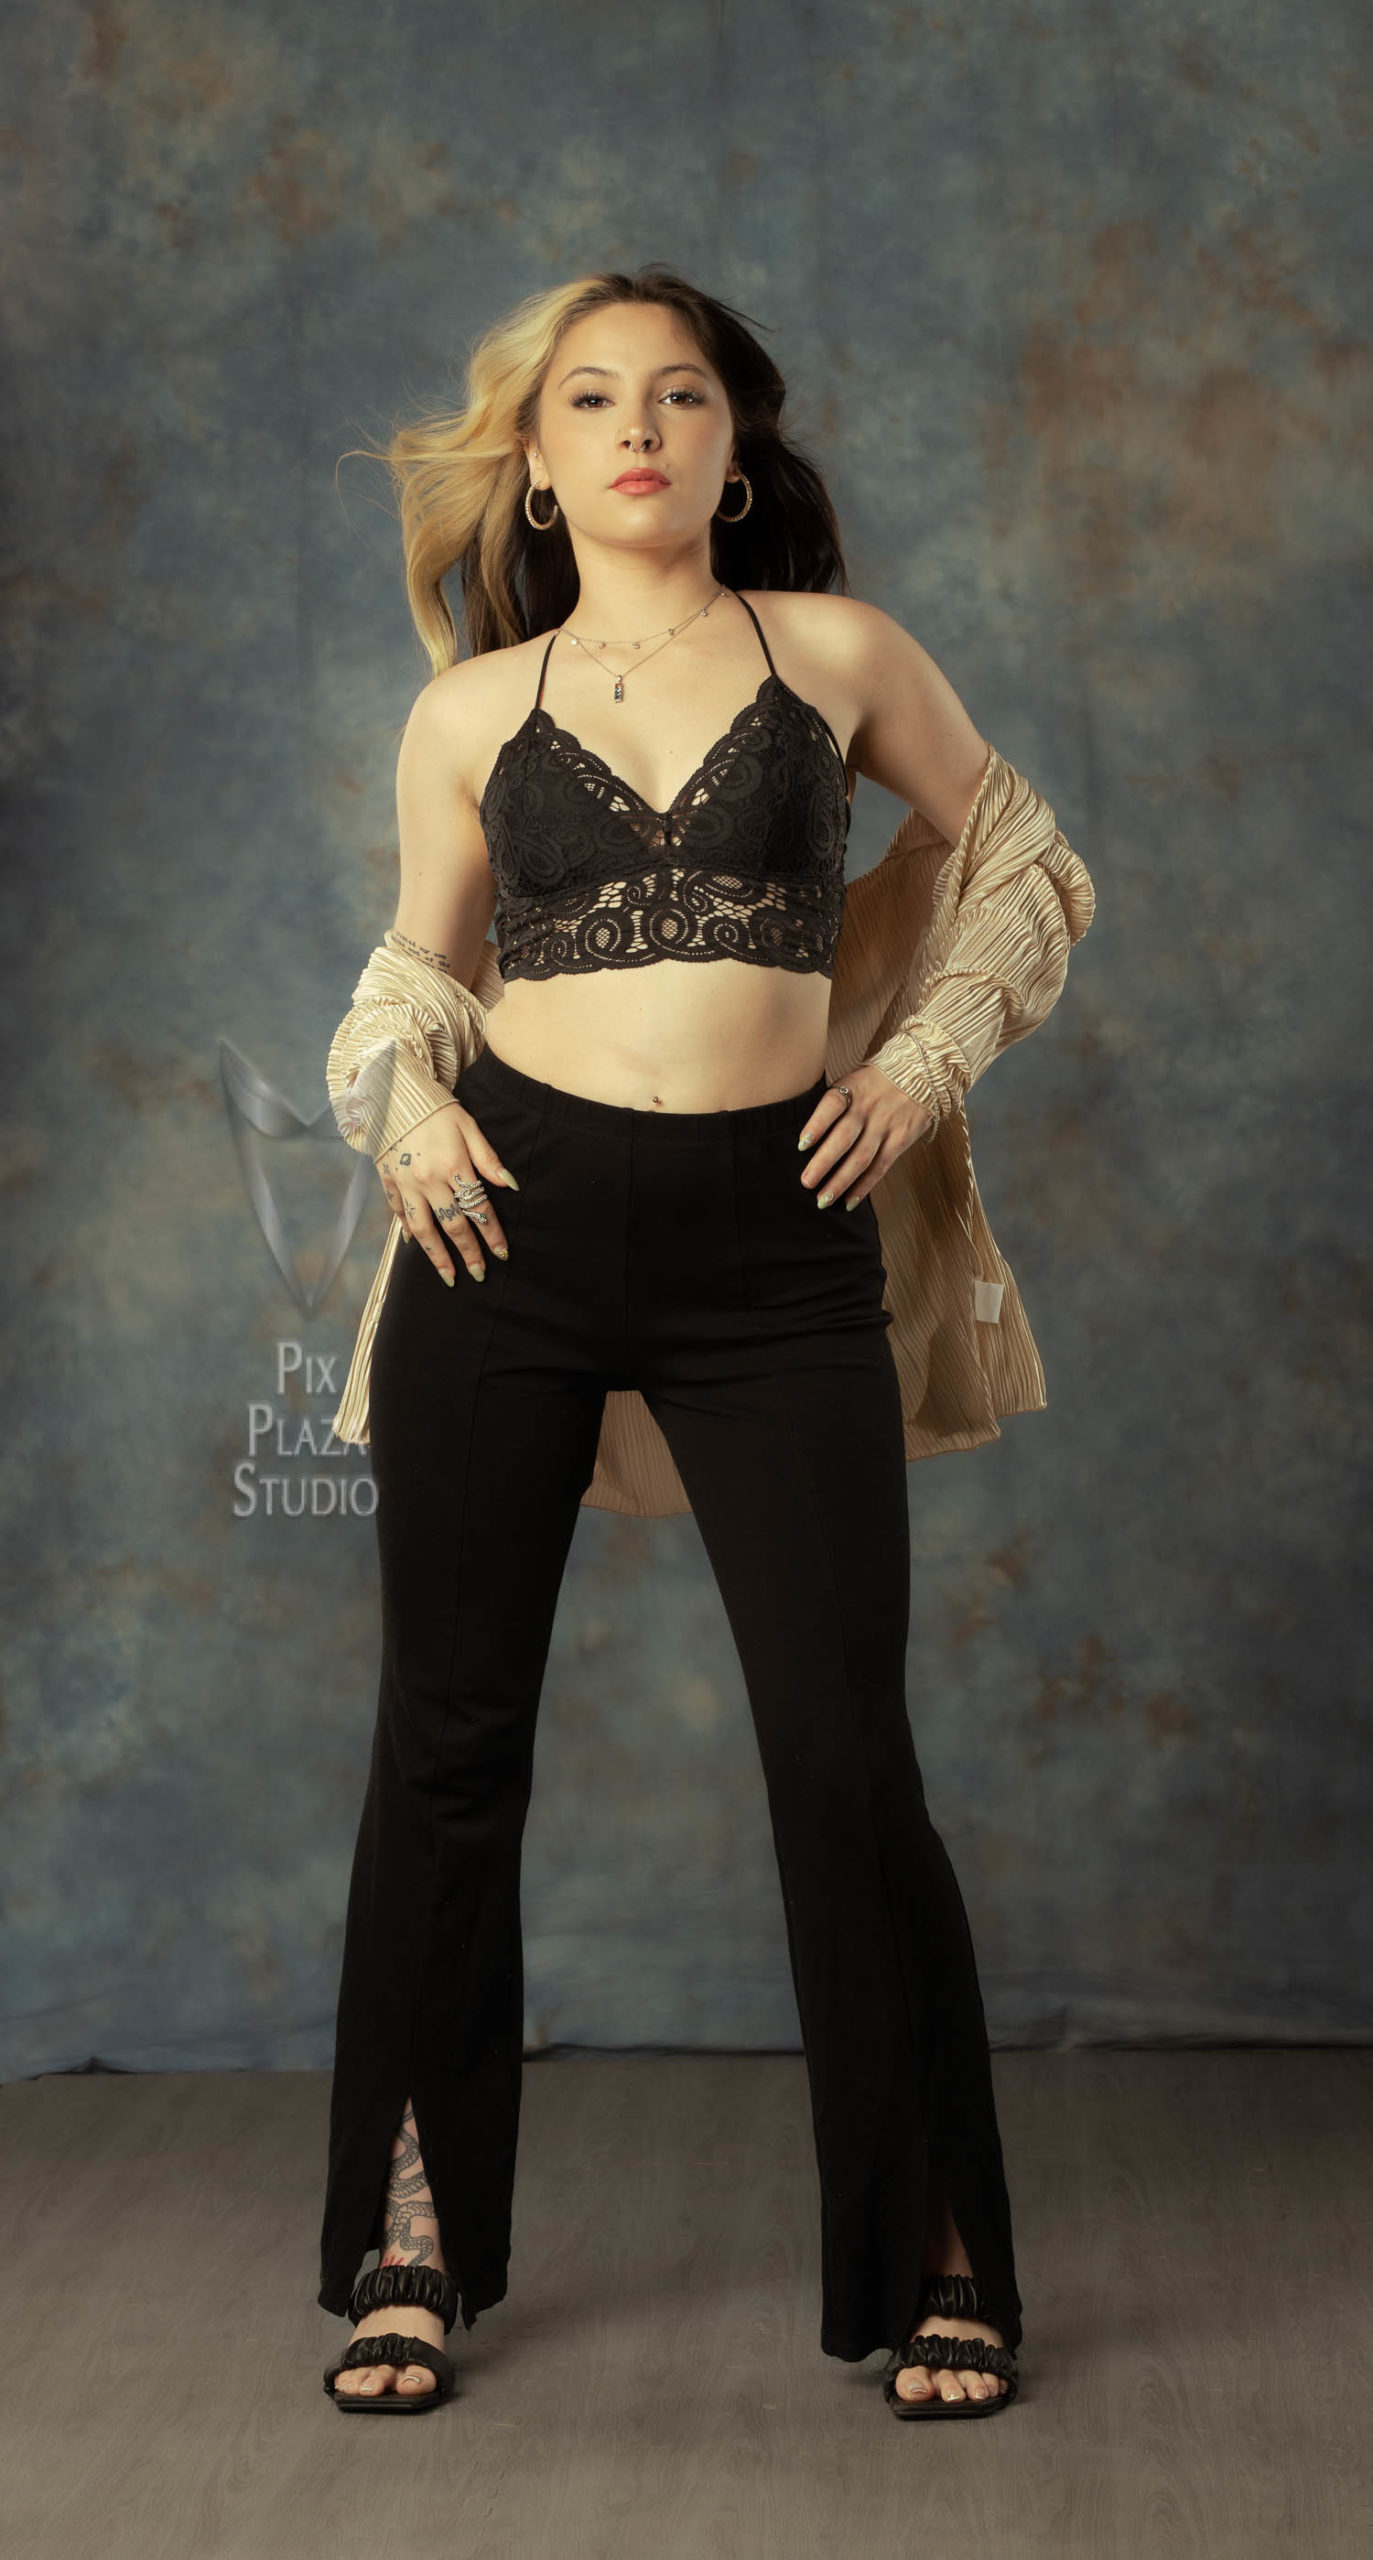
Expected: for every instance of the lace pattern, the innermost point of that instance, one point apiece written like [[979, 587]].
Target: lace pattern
[[747, 863]]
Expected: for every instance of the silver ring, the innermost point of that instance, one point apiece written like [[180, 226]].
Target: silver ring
[[468, 1195]]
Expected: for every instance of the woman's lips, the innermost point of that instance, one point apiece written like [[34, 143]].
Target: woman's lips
[[637, 481]]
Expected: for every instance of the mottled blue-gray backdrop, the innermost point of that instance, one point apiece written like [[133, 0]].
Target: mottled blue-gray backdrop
[[1070, 300]]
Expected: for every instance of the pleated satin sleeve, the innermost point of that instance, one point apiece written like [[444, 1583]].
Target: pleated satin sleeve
[[398, 1053], [1020, 899], [393, 1062]]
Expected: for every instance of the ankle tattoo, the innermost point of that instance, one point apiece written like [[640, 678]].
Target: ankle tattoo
[[410, 2229]]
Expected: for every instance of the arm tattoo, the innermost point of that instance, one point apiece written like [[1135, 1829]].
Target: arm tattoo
[[436, 959]]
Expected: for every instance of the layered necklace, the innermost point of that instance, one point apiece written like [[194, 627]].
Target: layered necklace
[[593, 647]]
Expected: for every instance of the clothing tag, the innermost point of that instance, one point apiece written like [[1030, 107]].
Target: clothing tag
[[987, 1300]]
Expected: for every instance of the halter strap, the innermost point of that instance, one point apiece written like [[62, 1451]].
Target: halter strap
[[757, 627], [544, 670]]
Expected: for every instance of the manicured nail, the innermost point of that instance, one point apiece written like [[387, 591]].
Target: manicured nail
[[853, 1204], [807, 1140], [509, 1177], [501, 1251], [449, 1277], [824, 1200], [478, 1270]]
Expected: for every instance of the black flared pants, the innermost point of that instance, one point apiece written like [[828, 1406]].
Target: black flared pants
[[680, 1254]]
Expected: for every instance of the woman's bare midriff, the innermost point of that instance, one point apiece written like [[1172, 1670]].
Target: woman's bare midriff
[[676, 1035]]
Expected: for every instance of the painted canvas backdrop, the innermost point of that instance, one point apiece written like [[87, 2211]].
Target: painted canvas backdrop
[[1073, 304]]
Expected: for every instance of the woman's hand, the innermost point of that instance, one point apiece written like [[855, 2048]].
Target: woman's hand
[[418, 1174], [857, 1142]]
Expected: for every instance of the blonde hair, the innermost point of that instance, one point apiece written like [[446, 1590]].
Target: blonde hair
[[461, 475]]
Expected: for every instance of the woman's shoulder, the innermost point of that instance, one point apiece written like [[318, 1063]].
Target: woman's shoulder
[[462, 717], [838, 627], [489, 678], [828, 633], [468, 709]]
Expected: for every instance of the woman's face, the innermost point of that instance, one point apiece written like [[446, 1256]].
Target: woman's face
[[627, 383]]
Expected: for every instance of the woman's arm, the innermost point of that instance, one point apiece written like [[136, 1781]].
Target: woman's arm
[[912, 734], [415, 1023], [447, 894], [1007, 957], [1007, 960]]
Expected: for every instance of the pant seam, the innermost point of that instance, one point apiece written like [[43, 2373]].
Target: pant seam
[[912, 2022], [422, 1967]]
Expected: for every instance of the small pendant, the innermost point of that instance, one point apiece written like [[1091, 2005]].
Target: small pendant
[[619, 688]]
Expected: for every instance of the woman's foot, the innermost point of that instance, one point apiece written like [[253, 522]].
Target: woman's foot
[[411, 2232], [945, 2255], [413, 2380]]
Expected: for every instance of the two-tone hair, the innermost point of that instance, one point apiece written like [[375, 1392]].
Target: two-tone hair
[[461, 475]]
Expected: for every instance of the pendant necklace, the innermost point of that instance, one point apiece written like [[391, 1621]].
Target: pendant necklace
[[590, 648]]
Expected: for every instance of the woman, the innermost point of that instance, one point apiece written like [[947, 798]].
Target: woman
[[647, 759]]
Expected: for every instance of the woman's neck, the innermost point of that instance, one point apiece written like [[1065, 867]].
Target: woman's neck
[[621, 607]]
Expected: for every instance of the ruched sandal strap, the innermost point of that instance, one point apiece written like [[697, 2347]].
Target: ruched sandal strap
[[408, 2281], [953, 2298], [968, 2355], [390, 2346]]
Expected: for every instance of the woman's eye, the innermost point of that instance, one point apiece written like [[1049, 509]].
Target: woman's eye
[[677, 392]]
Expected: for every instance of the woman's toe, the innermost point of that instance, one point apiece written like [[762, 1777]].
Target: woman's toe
[[417, 2377], [950, 2386], [914, 2382]]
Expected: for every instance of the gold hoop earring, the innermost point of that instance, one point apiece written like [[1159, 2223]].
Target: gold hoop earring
[[743, 511], [541, 524]]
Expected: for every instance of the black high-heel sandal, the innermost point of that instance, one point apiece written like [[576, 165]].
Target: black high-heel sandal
[[954, 2298], [433, 2290]]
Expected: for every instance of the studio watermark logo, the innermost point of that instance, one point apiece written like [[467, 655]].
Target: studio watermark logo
[[293, 1465], [263, 1122]]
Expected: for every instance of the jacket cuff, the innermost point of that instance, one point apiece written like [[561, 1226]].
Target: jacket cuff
[[387, 1097], [925, 1068]]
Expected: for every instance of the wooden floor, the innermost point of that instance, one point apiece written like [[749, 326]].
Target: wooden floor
[[1192, 2233]]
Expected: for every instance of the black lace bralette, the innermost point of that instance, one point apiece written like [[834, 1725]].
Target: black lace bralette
[[746, 864]]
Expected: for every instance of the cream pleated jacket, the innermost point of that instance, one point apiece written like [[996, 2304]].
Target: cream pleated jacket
[[947, 954]]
